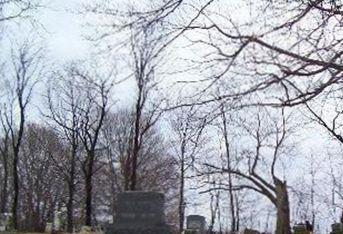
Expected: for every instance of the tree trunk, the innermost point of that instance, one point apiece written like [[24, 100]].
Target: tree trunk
[[232, 206], [37, 227], [137, 130], [16, 148], [237, 213], [89, 188], [16, 190], [70, 207], [126, 171], [71, 188], [135, 151], [4, 197], [233, 227], [282, 206], [182, 202]]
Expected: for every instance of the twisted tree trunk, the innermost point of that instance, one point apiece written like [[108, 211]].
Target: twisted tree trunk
[[282, 206]]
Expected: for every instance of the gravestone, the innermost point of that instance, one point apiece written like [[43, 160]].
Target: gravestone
[[48, 227], [139, 213], [337, 228], [300, 229], [250, 231], [189, 231], [196, 223], [4, 221], [56, 225], [85, 230]]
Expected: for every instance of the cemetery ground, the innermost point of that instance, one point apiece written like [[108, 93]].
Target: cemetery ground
[[143, 213]]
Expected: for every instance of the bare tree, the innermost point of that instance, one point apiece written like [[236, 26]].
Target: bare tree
[[188, 128], [307, 193], [287, 60], [5, 149], [214, 207], [274, 188], [118, 18], [331, 120], [26, 70], [145, 60], [64, 115], [145, 45], [118, 144], [233, 209], [41, 180], [14, 9], [156, 166], [95, 91]]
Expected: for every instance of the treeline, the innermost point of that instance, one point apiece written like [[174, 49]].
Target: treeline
[[66, 144], [233, 109], [54, 160]]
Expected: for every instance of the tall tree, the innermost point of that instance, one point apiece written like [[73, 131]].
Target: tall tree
[[156, 166], [5, 162], [41, 181], [188, 129], [270, 144], [95, 91], [145, 59], [25, 71], [233, 209], [146, 45], [64, 115]]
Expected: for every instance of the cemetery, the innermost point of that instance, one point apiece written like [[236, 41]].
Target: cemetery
[[143, 213], [171, 116]]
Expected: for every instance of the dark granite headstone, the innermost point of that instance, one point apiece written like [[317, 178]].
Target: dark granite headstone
[[337, 228], [300, 229], [139, 213], [196, 223], [250, 231]]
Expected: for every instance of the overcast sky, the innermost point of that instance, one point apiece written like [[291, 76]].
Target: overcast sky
[[65, 27], [65, 43]]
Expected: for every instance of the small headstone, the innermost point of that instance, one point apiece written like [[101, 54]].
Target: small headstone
[[139, 212], [48, 227], [187, 231], [250, 231], [2, 223], [300, 229], [110, 219], [57, 221], [196, 223], [337, 228], [5, 221], [85, 230]]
